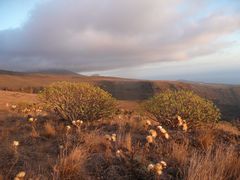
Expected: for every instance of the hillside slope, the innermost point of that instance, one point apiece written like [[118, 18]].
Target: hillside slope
[[227, 97]]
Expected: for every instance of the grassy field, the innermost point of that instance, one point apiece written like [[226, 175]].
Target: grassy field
[[115, 148]]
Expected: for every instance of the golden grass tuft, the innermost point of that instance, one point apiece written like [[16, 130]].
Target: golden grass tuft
[[128, 141], [34, 133], [179, 152], [228, 127], [49, 130], [206, 138], [70, 166], [222, 163]]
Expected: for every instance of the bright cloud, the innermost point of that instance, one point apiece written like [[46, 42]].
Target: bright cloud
[[93, 35]]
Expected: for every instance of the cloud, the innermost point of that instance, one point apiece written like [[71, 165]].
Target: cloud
[[93, 35]]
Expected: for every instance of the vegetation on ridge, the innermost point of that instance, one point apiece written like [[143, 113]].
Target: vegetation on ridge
[[36, 144], [82, 101], [191, 107]]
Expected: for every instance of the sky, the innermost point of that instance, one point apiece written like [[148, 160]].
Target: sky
[[195, 40]]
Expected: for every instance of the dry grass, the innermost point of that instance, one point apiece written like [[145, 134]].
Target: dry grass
[[127, 141], [34, 133], [70, 166], [222, 163], [180, 153], [96, 143], [228, 127], [50, 130], [85, 153], [206, 138]]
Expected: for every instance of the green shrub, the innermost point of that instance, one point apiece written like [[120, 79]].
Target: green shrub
[[72, 101], [191, 107]]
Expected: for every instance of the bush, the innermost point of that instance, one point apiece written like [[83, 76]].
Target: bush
[[72, 101], [191, 107]]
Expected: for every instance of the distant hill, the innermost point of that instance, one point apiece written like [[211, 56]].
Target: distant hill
[[49, 71], [5, 72], [227, 97], [55, 72]]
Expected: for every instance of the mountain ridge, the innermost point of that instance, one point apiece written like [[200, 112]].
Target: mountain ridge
[[226, 97]]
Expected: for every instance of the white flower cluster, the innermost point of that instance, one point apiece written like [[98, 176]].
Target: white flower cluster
[[157, 168]]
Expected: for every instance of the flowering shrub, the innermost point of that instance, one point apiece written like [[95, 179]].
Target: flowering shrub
[[191, 107], [72, 101]]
